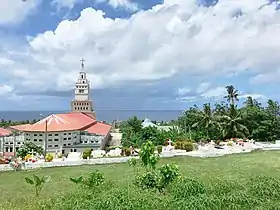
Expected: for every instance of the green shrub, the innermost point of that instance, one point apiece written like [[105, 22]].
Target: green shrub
[[147, 155], [159, 149], [49, 157], [86, 154], [125, 151], [188, 146], [168, 173], [148, 180], [178, 145], [94, 179]]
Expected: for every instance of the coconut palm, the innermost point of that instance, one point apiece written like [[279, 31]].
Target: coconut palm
[[231, 94], [232, 124], [208, 119]]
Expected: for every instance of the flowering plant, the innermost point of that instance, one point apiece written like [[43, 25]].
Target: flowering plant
[[16, 165]]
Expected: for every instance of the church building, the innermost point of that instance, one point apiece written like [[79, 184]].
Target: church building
[[67, 132]]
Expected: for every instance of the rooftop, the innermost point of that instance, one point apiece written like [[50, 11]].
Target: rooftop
[[5, 132], [66, 122]]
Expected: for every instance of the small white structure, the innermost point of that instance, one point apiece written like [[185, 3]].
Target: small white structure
[[98, 153], [74, 156], [147, 122], [115, 152]]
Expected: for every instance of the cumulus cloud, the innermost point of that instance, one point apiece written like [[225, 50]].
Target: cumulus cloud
[[15, 11], [126, 4], [178, 36]]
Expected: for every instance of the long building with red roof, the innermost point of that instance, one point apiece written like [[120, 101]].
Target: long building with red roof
[[66, 132]]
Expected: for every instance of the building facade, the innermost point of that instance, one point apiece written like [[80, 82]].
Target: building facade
[[62, 133]]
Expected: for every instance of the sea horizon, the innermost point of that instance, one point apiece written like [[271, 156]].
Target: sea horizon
[[108, 115]]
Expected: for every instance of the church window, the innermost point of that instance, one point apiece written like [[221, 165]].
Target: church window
[[11, 149], [7, 149], [82, 76], [83, 81]]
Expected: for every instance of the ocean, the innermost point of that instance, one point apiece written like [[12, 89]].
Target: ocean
[[101, 115]]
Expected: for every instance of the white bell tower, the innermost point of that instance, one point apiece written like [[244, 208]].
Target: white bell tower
[[82, 102]]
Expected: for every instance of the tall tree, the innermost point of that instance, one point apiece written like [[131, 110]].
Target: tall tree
[[207, 119], [232, 124], [232, 94]]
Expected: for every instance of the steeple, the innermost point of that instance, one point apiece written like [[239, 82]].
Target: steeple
[[82, 102]]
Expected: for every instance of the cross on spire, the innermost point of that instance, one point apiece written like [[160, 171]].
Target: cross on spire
[[82, 61]]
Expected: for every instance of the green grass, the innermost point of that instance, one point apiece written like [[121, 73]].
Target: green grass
[[214, 173]]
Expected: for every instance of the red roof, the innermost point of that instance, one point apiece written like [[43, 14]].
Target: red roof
[[66, 122], [5, 132], [99, 128], [21, 127]]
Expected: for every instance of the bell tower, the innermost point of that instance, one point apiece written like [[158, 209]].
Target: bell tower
[[82, 102]]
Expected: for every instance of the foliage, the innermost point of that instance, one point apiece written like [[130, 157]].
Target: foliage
[[94, 179], [151, 179], [86, 154], [225, 121], [188, 146], [27, 148], [147, 155], [49, 157], [159, 149], [184, 145], [168, 173], [37, 182], [215, 184], [16, 165], [147, 180], [126, 151]]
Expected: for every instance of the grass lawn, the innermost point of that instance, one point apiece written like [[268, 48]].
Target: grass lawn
[[238, 169]]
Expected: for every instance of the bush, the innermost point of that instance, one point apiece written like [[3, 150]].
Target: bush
[[59, 155], [125, 151], [188, 146], [178, 145], [159, 149], [49, 157], [168, 173], [86, 154], [94, 179], [148, 180]]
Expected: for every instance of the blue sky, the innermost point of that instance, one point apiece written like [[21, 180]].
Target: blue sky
[[147, 54]]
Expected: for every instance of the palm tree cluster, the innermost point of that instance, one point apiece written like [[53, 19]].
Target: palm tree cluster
[[226, 120]]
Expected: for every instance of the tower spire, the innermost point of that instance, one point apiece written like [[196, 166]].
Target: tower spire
[[82, 63]]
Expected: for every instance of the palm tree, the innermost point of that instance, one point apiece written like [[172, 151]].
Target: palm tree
[[232, 94], [207, 119], [232, 124]]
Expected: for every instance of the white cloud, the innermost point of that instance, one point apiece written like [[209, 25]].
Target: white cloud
[[253, 95], [5, 89], [127, 4], [183, 91], [176, 37], [266, 77], [65, 3], [203, 87], [217, 92], [15, 11], [187, 99]]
